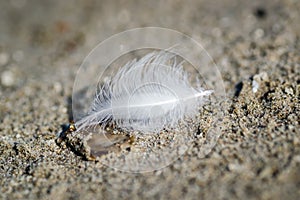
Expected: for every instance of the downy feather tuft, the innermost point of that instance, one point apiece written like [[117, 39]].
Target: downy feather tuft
[[146, 95]]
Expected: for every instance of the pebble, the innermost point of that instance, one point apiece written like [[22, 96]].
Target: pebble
[[258, 79], [259, 33], [57, 87], [8, 78], [289, 90], [255, 86]]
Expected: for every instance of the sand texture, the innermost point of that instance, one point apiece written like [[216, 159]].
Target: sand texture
[[255, 44]]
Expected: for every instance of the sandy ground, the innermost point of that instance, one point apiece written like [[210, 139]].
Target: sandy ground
[[256, 47]]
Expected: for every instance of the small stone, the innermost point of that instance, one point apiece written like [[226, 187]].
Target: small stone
[[255, 86], [289, 90], [8, 78], [64, 110], [258, 79], [57, 87], [297, 158], [259, 33]]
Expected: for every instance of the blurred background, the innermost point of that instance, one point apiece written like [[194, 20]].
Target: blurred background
[[47, 40]]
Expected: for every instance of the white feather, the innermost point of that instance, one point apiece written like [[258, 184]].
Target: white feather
[[146, 95]]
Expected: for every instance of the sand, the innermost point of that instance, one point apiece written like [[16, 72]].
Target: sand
[[256, 47]]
